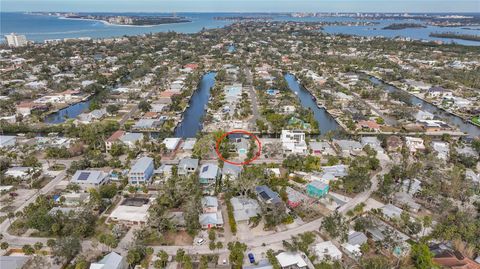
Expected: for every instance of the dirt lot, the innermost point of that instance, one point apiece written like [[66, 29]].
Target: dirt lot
[[181, 238]]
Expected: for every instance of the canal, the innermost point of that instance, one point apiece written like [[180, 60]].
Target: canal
[[465, 127], [191, 123], [326, 122], [69, 112]]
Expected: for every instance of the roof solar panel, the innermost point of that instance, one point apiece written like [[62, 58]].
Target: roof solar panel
[[83, 175], [204, 169], [264, 195]]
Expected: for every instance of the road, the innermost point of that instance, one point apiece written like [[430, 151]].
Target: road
[[253, 96], [134, 109]]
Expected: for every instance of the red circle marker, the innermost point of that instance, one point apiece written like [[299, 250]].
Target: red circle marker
[[219, 141]]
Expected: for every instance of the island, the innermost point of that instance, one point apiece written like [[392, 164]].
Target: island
[[401, 26], [132, 20], [456, 36]]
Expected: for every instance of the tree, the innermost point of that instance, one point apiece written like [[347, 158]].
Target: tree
[[336, 226], [162, 254], [422, 257], [28, 249], [144, 106], [67, 247], [38, 246], [237, 251], [180, 254], [4, 245], [108, 191]]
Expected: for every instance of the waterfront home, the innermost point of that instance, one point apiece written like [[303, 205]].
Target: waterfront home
[[433, 125], [295, 198], [231, 171], [147, 124], [327, 251], [87, 179], [209, 173], [25, 108], [423, 115], [171, 143], [354, 242], [7, 141], [209, 204], [293, 142], [244, 208], [317, 189], [267, 196], [111, 261], [348, 147], [189, 144], [92, 116], [414, 144], [131, 211], [142, 171], [321, 148], [368, 125], [294, 260], [394, 143], [187, 166], [437, 92]]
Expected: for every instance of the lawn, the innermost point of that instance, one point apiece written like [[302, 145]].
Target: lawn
[[476, 120]]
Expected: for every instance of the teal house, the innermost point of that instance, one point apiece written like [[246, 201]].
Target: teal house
[[317, 189]]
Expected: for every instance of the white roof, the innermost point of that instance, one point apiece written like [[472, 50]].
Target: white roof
[[88, 177], [131, 213], [171, 143], [211, 218], [391, 211], [327, 248], [111, 261], [141, 165], [289, 258], [189, 143], [209, 171]]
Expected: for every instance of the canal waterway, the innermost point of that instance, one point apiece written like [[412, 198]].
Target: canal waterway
[[69, 112], [326, 122], [450, 118], [191, 123]]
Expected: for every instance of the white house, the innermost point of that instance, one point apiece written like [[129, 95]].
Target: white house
[[327, 251], [90, 178], [7, 141], [293, 260], [414, 144], [293, 142], [141, 171], [110, 261], [354, 242]]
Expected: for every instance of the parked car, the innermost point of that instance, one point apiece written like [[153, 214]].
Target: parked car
[[200, 241], [251, 258]]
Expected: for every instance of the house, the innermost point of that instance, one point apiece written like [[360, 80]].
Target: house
[[7, 141], [327, 251], [73, 199], [414, 144], [163, 173], [339, 170], [449, 258], [295, 198], [294, 260], [438, 91], [371, 141], [317, 189], [132, 211], [171, 143], [391, 211], [321, 148], [209, 173], [406, 199], [13, 262], [368, 125], [20, 172], [348, 147], [131, 139], [231, 171], [267, 196], [394, 143], [113, 138], [111, 261], [293, 142], [354, 242], [147, 124], [87, 179], [187, 166], [244, 208], [211, 220], [262, 264], [442, 149], [188, 144], [209, 204], [142, 171]]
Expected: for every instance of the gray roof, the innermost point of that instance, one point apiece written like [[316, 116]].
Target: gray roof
[[211, 218], [391, 211], [262, 264], [209, 171], [318, 184], [131, 137], [244, 208], [267, 195], [357, 238], [13, 262], [337, 170], [111, 261], [231, 169], [209, 201], [88, 177], [141, 165], [348, 144], [187, 162]]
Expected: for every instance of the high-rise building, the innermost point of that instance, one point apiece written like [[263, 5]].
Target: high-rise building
[[14, 40]]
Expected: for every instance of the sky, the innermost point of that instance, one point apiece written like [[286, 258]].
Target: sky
[[242, 5]]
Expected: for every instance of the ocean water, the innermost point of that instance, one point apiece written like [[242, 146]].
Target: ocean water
[[41, 27]]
